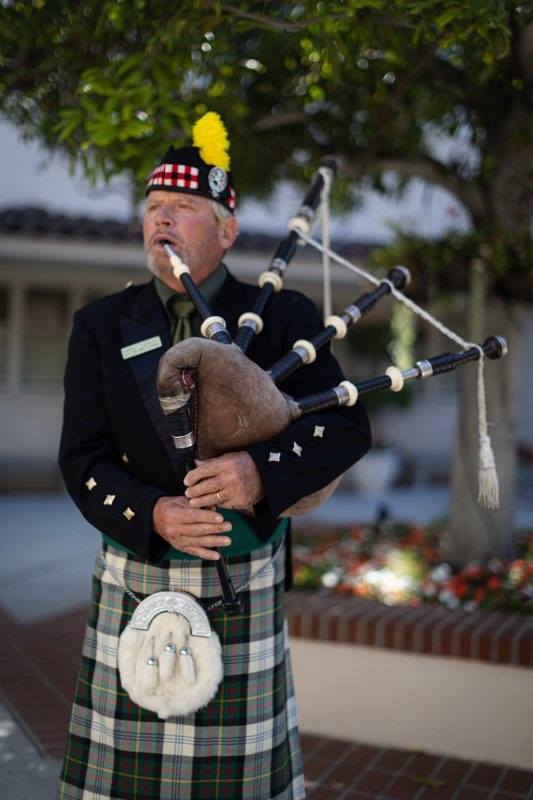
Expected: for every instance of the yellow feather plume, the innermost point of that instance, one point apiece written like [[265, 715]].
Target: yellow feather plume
[[211, 137]]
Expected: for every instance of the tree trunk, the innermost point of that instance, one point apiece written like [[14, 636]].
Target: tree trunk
[[475, 533]]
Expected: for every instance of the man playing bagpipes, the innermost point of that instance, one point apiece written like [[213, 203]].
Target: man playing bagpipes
[[228, 728]]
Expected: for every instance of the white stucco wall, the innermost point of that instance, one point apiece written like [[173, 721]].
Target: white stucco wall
[[456, 707]]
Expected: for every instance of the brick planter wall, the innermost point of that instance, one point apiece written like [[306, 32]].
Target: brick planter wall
[[451, 682], [491, 636]]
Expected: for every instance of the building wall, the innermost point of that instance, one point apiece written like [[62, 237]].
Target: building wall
[[42, 284]]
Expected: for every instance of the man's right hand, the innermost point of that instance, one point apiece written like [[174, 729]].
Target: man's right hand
[[191, 530]]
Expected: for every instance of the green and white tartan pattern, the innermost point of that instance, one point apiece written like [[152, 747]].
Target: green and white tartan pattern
[[243, 746]]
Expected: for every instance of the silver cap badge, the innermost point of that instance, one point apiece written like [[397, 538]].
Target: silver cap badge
[[218, 180]]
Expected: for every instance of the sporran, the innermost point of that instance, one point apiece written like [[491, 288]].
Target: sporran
[[169, 657]]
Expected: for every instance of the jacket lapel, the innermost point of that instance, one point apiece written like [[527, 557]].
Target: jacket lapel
[[146, 321]]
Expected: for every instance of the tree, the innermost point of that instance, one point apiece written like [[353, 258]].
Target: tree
[[377, 84]]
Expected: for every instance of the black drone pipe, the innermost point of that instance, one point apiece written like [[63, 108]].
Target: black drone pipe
[[347, 393], [304, 352], [271, 281]]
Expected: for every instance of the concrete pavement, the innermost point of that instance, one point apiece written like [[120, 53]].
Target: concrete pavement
[[25, 773]]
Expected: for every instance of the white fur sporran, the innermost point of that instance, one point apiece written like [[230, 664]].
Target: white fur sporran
[[169, 658]]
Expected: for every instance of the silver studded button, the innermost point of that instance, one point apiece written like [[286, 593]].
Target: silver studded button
[[319, 430], [109, 499], [91, 483], [274, 456], [297, 449], [128, 513]]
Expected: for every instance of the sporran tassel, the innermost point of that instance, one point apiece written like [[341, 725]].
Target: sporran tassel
[[489, 489], [167, 661], [149, 672], [187, 666]]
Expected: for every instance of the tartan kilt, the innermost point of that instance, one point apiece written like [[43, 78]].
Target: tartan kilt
[[244, 745]]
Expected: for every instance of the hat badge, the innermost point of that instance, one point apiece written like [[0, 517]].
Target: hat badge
[[218, 180]]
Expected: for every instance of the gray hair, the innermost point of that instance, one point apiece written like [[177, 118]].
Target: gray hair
[[220, 211]]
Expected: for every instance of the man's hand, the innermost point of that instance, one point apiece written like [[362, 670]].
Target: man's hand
[[191, 530], [230, 481]]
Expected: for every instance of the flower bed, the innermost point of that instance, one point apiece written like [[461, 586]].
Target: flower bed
[[400, 565]]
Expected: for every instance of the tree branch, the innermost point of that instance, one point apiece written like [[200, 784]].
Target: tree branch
[[272, 121], [261, 19], [302, 24], [424, 167]]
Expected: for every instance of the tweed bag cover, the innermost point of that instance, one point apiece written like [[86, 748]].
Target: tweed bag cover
[[243, 745]]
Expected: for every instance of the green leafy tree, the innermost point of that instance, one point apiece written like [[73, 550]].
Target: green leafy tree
[[379, 85]]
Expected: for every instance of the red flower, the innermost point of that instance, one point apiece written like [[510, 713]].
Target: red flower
[[480, 594], [474, 571], [459, 586], [494, 582], [415, 537]]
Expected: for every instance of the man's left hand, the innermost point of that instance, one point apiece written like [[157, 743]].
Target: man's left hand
[[229, 481]]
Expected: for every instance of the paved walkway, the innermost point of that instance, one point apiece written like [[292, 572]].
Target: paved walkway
[[44, 585], [337, 770], [25, 773]]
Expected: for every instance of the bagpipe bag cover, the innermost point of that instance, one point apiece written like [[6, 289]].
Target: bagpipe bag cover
[[235, 402]]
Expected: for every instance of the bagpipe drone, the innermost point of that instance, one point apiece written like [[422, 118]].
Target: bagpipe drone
[[196, 404]]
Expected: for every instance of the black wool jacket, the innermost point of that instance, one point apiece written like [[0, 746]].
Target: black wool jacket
[[116, 455]]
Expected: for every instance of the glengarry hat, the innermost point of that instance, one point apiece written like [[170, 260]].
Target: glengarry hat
[[201, 169]]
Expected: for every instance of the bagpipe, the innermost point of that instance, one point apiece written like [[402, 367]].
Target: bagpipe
[[211, 411]]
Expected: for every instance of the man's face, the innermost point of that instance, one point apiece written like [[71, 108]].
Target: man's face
[[189, 224]]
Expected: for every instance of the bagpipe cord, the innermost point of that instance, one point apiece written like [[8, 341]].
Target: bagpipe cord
[[489, 492], [324, 233]]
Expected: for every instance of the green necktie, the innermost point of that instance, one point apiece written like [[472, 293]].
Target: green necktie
[[181, 310]]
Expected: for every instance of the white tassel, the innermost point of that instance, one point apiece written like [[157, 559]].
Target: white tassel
[[187, 666], [167, 662], [489, 490], [149, 675]]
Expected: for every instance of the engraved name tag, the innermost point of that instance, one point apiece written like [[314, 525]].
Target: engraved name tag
[[138, 348]]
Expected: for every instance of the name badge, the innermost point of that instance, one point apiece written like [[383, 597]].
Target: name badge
[[139, 348]]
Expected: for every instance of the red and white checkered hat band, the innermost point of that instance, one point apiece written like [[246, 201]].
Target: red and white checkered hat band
[[179, 175]]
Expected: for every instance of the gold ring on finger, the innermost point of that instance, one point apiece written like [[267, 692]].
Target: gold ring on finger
[[220, 498]]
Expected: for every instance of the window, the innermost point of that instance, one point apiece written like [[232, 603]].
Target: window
[[44, 338]]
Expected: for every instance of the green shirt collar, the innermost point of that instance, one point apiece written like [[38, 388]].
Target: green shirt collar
[[209, 288]]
